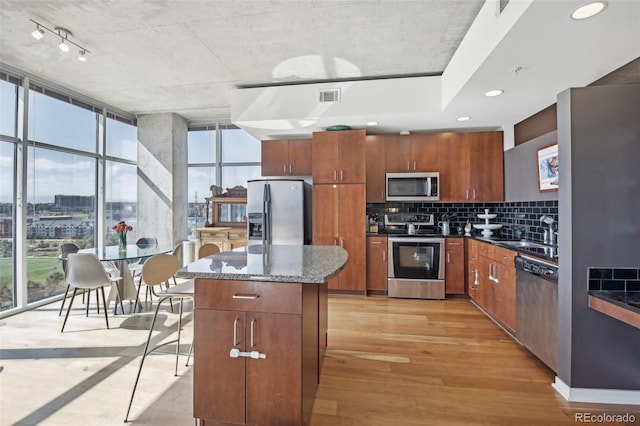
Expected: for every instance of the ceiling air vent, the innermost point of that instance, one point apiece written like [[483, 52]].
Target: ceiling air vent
[[329, 96], [501, 5]]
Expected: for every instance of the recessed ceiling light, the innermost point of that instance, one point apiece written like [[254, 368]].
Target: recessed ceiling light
[[372, 123], [464, 118], [588, 10], [497, 92]]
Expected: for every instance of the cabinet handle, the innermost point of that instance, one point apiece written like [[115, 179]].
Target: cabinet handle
[[341, 175], [341, 243], [408, 166], [384, 255], [448, 258], [414, 166], [253, 323], [284, 169], [289, 168], [474, 194], [335, 175], [382, 195], [476, 281], [246, 296], [235, 332], [467, 196]]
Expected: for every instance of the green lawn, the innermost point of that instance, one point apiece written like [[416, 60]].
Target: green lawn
[[38, 269]]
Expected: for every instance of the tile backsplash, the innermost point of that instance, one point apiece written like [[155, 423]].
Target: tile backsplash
[[523, 215], [622, 279]]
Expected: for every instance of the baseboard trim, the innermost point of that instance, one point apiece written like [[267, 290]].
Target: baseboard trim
[[596, 396]]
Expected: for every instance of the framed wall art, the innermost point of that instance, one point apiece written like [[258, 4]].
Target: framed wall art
[[548, 168]]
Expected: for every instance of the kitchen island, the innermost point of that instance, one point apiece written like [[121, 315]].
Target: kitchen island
[[260, 324]]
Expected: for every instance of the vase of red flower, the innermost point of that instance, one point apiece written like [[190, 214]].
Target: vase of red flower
[[122, 228]]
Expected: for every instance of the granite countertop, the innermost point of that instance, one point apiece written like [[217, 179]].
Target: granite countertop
[[625, 299], [277, 263]]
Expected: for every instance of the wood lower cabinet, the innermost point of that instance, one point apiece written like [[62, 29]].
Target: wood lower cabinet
[[471, 166], [412, 153], [377, 265], [492, 281], [339, 157], [473, 272], [376, 179], [339, 218], [282, 323], [286, 157], [454, 266]]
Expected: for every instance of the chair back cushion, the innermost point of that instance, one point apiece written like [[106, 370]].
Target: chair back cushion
[[145, 242], [159, 268], [208, 249], [84, 270]]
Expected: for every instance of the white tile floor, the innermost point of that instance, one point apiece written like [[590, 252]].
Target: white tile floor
[[85, 375]]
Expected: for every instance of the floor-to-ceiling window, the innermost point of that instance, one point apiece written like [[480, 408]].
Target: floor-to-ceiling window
[[221, 155], [8, 139], [72, 149], [121, 191]]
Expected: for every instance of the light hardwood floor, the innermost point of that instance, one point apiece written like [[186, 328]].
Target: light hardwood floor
[[389, 362]]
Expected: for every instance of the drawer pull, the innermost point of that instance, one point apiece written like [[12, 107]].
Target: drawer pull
[[246, 296]]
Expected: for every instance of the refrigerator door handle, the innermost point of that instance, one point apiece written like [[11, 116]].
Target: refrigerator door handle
[[265, 190], [267, 208]]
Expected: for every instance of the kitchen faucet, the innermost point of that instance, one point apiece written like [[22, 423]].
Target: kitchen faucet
[[551, 239]]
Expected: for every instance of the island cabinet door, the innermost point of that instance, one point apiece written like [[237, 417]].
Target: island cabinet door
[[274, 383], [219, 380]]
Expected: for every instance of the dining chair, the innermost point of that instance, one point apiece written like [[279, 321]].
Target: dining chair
[[142, 242], [207, 249], [157, 270], [177, 252], [181, 291], [84, 271], [66, 249]]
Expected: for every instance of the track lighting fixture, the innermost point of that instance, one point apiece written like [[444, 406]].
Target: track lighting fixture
[[64, 35]]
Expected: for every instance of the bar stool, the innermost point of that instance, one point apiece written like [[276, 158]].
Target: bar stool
[[180, 291]]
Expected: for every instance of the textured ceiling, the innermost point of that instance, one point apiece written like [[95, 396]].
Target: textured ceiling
[[191, 57], [186, 56]]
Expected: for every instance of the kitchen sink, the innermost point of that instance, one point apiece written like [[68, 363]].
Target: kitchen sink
[[526, 244]]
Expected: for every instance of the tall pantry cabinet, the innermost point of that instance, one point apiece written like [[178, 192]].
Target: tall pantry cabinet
[[339, 202]]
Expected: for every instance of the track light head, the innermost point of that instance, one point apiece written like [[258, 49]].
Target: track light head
[[38, 33], [82, 56], [63, 46]]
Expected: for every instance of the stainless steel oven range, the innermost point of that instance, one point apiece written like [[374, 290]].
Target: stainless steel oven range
[[416, 267]]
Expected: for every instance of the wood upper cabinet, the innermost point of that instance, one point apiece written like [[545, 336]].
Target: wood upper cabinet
[[339, 218], [339, 157], [471, 166], [454, 266], [377, 265], [412, 153], [375, 158], [286, 157]]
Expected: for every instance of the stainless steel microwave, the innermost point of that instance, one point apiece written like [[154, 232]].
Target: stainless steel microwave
[[413, 186]]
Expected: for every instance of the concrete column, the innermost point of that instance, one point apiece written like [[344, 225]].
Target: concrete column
[[162, 177]]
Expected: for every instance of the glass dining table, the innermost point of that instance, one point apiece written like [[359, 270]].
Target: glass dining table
[[124, 289]]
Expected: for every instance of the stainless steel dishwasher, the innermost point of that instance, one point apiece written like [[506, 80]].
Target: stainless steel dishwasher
[[537, 308]]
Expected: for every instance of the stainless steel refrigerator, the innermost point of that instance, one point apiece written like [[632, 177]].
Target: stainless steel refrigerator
[[279, 211]]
